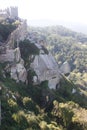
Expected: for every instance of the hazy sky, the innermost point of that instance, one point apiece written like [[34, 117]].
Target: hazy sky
[[66, 10]]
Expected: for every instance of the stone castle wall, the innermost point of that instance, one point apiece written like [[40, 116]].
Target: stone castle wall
[[17, 35], [11, 12], [12, 56]]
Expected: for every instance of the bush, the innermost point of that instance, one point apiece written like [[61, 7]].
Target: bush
[[27, 49], [5, 30], [43, 125], [20, 119], [33, 122], [30, 105]]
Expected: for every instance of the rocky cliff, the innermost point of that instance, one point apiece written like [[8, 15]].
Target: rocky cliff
[[46, 68], [44, 65], [11, 56], [14, 64]]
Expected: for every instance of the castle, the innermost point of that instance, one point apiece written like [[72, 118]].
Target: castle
[[43, 64], [11, 12]]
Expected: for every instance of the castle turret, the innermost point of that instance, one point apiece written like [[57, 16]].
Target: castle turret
[[13, 11]]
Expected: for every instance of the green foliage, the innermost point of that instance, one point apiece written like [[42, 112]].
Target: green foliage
[[28, 49], [65, 91], [30, 74], [70, 115], [20, 119], [45, 50], [13, 105], [30, 105], [43, 125], [5, 30], [66, 45], [67, 117], [44, 84], [23, 112]]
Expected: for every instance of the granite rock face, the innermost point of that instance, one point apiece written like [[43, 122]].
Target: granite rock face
[[43, 64], [65, 68], [46, 68], [19, 34], [15, 64], [10, 55], [18, 72]]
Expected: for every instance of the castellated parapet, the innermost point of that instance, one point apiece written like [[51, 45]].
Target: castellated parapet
[[11, 12], [20, 33]]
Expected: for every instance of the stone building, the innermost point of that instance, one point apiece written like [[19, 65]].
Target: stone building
[[11, 12]]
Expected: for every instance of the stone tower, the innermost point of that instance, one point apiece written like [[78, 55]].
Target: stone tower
[[13, 11]]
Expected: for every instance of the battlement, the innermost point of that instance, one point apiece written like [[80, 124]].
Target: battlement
[[11, 12]]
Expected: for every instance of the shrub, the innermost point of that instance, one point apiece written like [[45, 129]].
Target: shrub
[[20, 119], [30, 105], [43, 125], [28, 49], [13, 105]]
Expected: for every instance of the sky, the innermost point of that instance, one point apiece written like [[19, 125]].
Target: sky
[[55, 10]]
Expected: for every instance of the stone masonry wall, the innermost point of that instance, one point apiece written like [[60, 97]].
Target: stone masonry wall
[[18, 35]]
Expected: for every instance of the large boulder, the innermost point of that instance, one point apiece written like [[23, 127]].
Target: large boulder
[[18, 72], [65, 68], [46, 68], [15, 64], [10, 55]]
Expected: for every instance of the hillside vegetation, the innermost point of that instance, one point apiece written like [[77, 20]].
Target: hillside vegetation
[[36, 107], [39, 108], [6, 28], [66, 45]]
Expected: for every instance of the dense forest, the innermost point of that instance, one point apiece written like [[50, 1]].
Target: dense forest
[[65, 45]]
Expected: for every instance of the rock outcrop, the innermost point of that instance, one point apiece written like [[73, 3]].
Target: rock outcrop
[[65, 68], [18, 72], [46, 68], [12, 56], [17, 35], [43, 64], [15, 64]]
